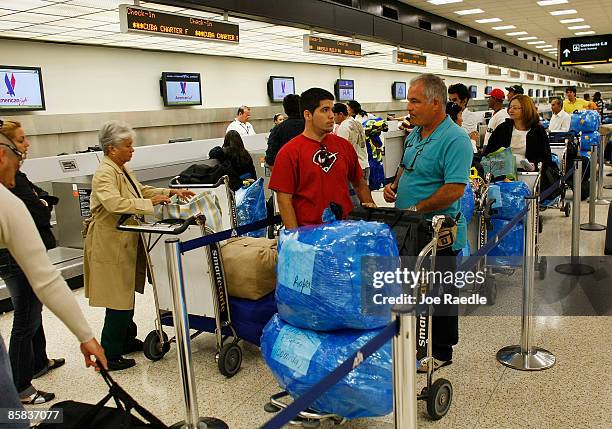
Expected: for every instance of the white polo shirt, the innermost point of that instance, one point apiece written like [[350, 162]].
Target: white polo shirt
[[560, 121], [498, 118], [244, 129]]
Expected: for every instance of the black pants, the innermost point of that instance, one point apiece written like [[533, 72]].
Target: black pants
[[27, 350], [118, 332]]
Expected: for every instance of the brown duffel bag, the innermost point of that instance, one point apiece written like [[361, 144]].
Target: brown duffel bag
[[250, 266]]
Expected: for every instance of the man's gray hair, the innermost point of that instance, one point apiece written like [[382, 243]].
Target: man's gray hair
[[556, 99], [113, 133], [433, 87]]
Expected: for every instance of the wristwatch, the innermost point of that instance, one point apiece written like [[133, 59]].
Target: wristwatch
[[412, 209]]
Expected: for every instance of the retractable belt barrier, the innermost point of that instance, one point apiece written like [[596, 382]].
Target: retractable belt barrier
[[305, 400], [206, 240]]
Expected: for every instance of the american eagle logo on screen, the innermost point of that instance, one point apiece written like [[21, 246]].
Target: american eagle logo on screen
[[184, 88], [10, 84]]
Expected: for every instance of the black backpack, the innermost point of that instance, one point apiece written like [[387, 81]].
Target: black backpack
[[209, 172]]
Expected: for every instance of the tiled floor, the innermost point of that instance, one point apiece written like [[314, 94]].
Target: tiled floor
[[575, 393]]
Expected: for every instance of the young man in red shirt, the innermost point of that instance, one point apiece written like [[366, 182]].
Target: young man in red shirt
[[314, 169]]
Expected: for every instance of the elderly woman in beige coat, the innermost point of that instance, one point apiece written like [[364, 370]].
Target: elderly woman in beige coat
[[115, 263]]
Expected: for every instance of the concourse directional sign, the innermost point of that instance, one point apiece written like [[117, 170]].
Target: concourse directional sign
[[586, 50]]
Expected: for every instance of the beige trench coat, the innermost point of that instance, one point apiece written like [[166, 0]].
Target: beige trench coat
[[114, 261]]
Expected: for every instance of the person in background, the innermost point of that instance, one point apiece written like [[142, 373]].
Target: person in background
[[27, 350], [522, 133], [495, 101], [278, 118], [454, 111], [599, 103], [19, 235], [293, 126], [237, 155], [241, 122], [571, 103], [114, 262], [437, 160], [350, 129], [356, 111], [313, 170], [460, 95], [514, 90], [560, 119]]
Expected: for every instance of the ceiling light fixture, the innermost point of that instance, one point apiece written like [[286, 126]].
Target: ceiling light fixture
[[469, 11], [527, 38], [504, 27], [584, 33], [544, 47], [578, 27], [563, 12], [488, 20], [438, 2], [539, 42], [571, 20], [516, 33], [550, 2]]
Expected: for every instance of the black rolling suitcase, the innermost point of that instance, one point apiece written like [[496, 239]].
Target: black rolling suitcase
[[411, 230], [78, 415]]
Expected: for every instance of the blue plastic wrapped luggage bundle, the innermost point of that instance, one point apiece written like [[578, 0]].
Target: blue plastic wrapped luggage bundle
[[319, 274], [251, 206], [467, 203], [300, 358], [512, 199], [586, 121], [509, 251], [588, 139]]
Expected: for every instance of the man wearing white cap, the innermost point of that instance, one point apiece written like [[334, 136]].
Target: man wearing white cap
[[496, 102]]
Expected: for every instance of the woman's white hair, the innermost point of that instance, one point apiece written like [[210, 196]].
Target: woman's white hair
[[433, 87], [114, 133]]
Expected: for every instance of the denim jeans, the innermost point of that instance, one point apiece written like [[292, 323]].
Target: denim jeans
[[27, 350], [8, 395]]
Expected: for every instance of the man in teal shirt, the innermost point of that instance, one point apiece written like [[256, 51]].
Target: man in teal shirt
[[435, 169]]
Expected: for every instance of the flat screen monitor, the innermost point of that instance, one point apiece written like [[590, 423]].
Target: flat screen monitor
[[488, 90], [345, 90], [473, 91], [21, 89], [398, 90], [279, 87], [537, 92], [181, 89], [530, 92]]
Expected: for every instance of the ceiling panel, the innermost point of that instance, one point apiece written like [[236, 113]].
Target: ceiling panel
[[34, 18]]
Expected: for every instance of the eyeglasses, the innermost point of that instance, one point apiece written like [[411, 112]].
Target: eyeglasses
[[515, 107], [15, 151]]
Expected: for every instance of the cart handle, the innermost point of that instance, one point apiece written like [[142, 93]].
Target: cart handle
[[184, 224], [175, 183]]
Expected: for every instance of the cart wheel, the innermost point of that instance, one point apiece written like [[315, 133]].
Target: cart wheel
[[542, 267], [490, 289], [230, 359], [271, 408], [567, 209], [439, 398], [152, 347]]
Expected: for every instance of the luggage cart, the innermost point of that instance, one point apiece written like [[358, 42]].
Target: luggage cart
[[437, 394], [209, 307]]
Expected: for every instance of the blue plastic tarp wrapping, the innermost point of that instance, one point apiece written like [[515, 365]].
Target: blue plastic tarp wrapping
[[545, 123], [319, 274], [589, 121], [509, 252], [251, 206], [589, 138], [300, 358], [467, 203], [555, 159], [512, 199]]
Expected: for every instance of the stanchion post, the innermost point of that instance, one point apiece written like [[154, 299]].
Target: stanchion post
[[404, 371], [526, 357], [183, 343], [592, 225], [600, 200], [575, 268]]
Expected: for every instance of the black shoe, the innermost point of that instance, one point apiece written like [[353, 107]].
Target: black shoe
[[134, 345], [51, 364], [120, 363], [39, 397]]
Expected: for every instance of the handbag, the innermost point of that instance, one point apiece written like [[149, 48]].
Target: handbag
[[206, 203], [500, 163], [78, 415]]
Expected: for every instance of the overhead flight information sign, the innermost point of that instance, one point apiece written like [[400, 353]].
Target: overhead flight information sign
[[151, 21], [330, 46], [586, 50], [408, 58]]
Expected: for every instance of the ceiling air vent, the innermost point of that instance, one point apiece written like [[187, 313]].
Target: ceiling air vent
[[389, 12], [425, 25]]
